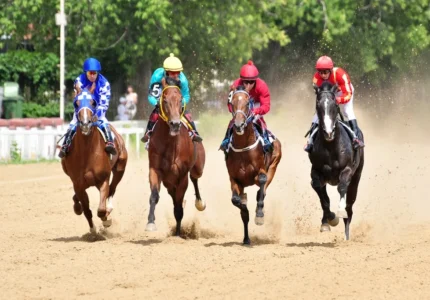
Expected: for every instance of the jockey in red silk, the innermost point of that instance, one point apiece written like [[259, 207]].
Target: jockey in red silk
[[344, 97], [259, 93], [99, 87]]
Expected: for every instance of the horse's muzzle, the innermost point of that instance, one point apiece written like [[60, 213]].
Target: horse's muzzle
[[329, 136], [85, 128], [240, 129], [175, 126]]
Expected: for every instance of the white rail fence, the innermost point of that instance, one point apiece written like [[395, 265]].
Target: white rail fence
[[36, 144]]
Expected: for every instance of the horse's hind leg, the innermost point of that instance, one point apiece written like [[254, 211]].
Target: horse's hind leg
[[344, 181], [275, 159], [102, 211], [239, 200], [118, 171], [329, 218], [197, 172], [200, 204], [154, 183]]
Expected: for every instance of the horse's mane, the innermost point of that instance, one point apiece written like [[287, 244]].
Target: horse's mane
[[326, 86], [173, 82]]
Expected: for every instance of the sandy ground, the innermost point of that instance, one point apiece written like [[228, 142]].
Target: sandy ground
[[47, 253]]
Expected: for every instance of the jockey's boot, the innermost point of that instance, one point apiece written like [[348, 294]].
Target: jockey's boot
[[356, 142], [310, 143], [226, 140], [110, 145], [148, 131], [193, 130], [67, 142]]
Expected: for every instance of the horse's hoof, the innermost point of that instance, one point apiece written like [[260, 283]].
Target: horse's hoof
[[246, 241], [77, 207], [342, 214], [334, 222], [108, 222], [151, 227], [324, 228], [259, 220], [200, 205], [93, 230]]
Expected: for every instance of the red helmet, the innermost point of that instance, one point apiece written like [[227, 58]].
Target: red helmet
[[324, 63], [249, 71]]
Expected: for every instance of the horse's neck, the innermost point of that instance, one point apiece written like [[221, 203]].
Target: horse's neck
[[246, 139]]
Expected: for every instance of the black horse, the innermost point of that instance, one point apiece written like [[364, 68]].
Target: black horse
[[334, 161]]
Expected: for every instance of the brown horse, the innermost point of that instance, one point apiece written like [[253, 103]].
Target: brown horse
[[172, 155], [247, 164], [87, 163]]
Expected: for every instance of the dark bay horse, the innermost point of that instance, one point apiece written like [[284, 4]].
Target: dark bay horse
[[334, 160], [246, 162], [172, 156], [87, 163]]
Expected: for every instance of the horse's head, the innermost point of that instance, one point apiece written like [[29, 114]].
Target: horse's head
[[171, 104], [85, 106], [327, 108], [241, 108]]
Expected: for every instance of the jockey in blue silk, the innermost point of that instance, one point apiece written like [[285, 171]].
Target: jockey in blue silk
[[172, 68], [98, 85]]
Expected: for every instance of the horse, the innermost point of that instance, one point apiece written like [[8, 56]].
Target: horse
[[87, 164], [334, 161], [247, 164], [172, 156]]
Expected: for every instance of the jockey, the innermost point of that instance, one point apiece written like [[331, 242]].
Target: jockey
[[98, 85], [172, 68], [259, 93], [344, 97]]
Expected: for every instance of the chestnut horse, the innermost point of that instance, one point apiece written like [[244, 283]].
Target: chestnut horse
[[247, 164], [172, 155], [87, 163]]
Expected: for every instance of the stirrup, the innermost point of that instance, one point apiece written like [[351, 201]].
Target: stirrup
[[197, 138]]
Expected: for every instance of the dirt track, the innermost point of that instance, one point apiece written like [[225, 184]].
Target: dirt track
[[46, 253]]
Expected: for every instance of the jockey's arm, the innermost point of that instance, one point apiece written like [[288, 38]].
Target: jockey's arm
[[264, 100], [346, 88], [103, 105], [78, 85], [155, 89], [185, 90]]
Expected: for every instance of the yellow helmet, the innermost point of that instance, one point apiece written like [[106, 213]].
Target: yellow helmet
[[172, 63]]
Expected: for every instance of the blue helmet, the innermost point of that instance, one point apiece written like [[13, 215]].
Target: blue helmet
[[92, 64]]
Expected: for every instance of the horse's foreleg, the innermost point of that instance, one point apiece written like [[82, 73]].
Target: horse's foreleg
[[259, 212], [154, 183], [320, 188], [82, 195], [342, 188], [239, 200], [102, 211], [178, 194]]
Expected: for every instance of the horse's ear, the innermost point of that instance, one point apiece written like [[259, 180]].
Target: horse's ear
[[334, 88], [316, 88]]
